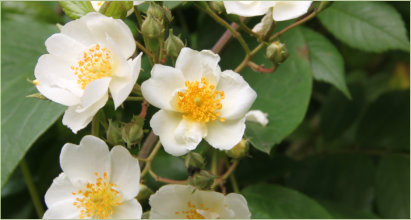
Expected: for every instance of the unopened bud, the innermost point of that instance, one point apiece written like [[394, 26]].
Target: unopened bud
[[238, 151], [114, 133], [144, 193], [173, 45], [132, 132], [151, 27], [156, 11], [194, 160], [277, 52], [217, 6], [202, 180]]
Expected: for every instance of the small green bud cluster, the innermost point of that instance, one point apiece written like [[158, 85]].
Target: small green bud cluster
[[173, 45], [277, 52]]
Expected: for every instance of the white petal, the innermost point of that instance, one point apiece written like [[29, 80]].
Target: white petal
[[94, 91], [64, 210], [239, 96], [56, 81], [286, 10], [168, 200], [125, 172], [159, 90], [63, 46], [60, 191], [194, 65], [121, 87], [80, 162], [137, 2], [76, 117], [238, 204], [102, 27], [78, 30], [190, 133], [248, 8], [164, 124], [257, 116], [225, 135], [130, 209]]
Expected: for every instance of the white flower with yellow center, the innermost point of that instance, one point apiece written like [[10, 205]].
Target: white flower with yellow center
[[187, 202], [197, 101], [90, 56], [95, 183], [281, 10]]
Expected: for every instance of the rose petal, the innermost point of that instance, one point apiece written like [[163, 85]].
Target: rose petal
[[286, 10], [81, 162], [125, 172], [225, 135]]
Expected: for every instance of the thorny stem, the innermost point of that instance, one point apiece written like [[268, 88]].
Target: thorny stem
[[249, 56], [226, 25], [32, 188], [144, 107]]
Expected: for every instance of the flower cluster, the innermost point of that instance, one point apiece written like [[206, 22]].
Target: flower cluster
[[94, 58]]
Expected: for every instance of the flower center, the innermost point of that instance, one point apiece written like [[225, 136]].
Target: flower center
[[98, 200], [95, 64], [200, 101], [194, 212]]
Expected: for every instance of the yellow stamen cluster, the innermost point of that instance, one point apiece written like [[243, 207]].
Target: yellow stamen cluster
[[96, 63], [192, 213], [98, 200], [201, 101]]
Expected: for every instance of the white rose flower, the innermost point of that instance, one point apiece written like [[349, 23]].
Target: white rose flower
[[90, 56], [281, 10], [197, 101], [97, 5], [248, 8], [187, 202], [95, 183], [257, 116]]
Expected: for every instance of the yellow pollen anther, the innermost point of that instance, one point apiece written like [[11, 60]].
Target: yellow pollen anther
[[99, 200], [95, 64], [36, 82], [200, 101], [192, 211]]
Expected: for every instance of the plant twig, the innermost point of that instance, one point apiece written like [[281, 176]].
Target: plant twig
[[32, 188], [133, 98], [142, 48], [150, 158], [166, 180], [224, 39]]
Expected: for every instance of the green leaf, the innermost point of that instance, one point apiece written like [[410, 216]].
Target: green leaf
[[23, 119], [284, 94], [338, 113], [341, 211], [76, 9], [116, 9], [273, 201], [369, 26], [326, 62], [386, 122], [45, 11], [344, 178], [393, 187]]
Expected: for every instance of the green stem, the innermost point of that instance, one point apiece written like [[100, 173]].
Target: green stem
[[221, 21], [233, 180], [150, 158], [138, 16], [32, 188], [214, 162], [95, 125]]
